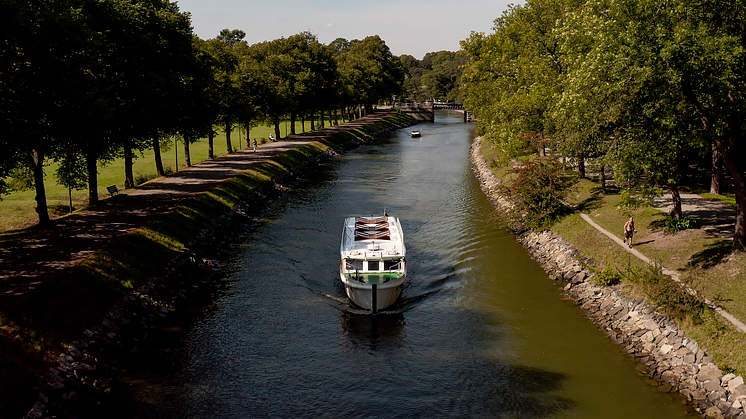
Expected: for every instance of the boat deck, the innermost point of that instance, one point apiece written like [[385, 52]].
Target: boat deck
[[372, 237]]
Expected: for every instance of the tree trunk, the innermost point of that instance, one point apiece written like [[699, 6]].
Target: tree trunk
[[676, 213], [157, 153], [603, 178], [210, 142], [129, 177], [91, 161], [238, 131], [292, 123], [228, 145], [717, 162], [321, 122], [276, 122], [581, 165], [313, 118], [303, 122], [37, 165], [731, 149], [187, 154]]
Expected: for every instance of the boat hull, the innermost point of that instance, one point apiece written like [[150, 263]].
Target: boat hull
[[362, 294]]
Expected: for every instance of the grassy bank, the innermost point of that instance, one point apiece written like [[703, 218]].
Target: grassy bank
[[702, 260], [36, 328], [17, 208]]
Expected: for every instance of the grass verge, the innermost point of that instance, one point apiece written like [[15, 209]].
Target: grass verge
[[37, 327], [703, 261]]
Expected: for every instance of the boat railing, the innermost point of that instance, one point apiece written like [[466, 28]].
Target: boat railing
[[394, 272]]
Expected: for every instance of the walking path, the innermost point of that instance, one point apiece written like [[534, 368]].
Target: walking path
[[26, 264], [713, 216]]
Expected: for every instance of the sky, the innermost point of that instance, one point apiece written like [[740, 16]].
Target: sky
[[413, 27]]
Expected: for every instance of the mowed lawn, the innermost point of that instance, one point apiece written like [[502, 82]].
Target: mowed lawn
[[18, 208]]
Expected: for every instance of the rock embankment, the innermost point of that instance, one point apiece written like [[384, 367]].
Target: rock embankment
[[88, 369], [673, 361]]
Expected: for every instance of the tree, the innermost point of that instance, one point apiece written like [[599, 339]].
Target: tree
[[512, 75], [369, 72], [657, 65], [537, 190]]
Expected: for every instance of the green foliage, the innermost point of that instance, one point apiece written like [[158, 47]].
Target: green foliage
[[20, 178], [437, 76], [537, 189], [631, 199], [607, 277], [668, 295], [673, 225]]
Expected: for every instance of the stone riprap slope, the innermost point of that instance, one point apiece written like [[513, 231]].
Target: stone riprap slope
[[87, 371], [663, 351]]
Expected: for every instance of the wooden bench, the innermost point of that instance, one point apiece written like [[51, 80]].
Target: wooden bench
[[112, 190]]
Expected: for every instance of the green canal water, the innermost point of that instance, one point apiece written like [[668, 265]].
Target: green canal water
[[480, 331]]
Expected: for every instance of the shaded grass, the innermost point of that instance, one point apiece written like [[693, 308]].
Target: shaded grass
[[725, 198], [17, 209], [719, 284], [704, 261], [44, 322]]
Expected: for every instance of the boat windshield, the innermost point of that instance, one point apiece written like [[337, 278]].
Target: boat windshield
[[354, 264], [391, 265]]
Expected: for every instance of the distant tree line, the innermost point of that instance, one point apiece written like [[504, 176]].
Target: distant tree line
[[83, 82], [436, 77], [651, 89]]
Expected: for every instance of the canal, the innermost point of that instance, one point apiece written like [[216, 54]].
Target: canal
[[480, 331]]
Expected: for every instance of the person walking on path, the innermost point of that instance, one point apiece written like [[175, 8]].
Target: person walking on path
[[629, 231], [254, 145]]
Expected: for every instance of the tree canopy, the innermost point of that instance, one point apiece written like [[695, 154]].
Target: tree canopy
[[85, 81], [647, 87]]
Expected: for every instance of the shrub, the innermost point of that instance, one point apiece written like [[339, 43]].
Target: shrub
[[607, 277], [673, 225], [20, 178], [668, 295], [142, 178], [537, 190]]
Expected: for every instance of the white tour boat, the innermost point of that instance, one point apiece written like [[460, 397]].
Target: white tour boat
[[373, 266]]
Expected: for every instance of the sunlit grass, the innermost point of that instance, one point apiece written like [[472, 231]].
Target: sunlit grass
[[36, 328], [17, 209], [704, 262]]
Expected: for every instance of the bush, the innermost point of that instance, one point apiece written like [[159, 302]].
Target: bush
[[20, 179], [668, 295], [673, 225], [607, 277], [537, 190], [142, 178]]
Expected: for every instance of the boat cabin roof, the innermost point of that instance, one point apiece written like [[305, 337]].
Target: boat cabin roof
[[372, 238]]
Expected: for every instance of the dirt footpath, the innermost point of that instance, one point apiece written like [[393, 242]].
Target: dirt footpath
[[25, 264]]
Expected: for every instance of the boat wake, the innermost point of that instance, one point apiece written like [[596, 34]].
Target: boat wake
[[343, 303]]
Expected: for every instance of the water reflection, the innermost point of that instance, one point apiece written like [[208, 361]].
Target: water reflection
[[479, 332], [373, 332]]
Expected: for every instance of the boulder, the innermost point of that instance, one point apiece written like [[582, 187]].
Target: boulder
[[734, 383], [738, 391], [709, 372]]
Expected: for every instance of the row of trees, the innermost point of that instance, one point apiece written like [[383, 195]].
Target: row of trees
[[436, 77], [650, 88], [85, 81]]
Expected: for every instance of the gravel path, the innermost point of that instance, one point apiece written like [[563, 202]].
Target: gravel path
[[26, 264], [714, 217]]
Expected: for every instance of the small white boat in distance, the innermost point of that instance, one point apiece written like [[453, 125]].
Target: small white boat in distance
[[373, 266], [416, 133]]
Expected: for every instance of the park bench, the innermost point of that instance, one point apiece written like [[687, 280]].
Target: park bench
[[112, 190]]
